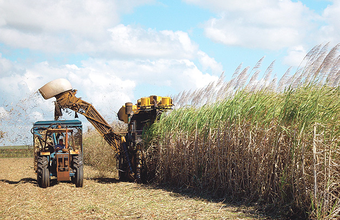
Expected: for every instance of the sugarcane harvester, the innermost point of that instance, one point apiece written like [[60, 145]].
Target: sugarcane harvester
[[128, 147]]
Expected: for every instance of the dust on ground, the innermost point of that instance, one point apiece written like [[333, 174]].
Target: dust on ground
[[100, 198]]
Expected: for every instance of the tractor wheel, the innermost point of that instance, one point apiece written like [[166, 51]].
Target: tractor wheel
[[79, 175], [43, 173], [122, 169]]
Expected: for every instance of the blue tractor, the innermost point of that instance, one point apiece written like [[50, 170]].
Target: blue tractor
[[61, 163]]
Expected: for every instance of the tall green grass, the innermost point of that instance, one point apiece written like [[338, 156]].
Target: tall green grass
[[275, 142]]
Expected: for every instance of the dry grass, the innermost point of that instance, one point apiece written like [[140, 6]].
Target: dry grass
[[100, 198], [8, 153], [16, 151], [97, 152]]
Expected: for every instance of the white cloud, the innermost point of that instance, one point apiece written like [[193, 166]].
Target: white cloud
[[223, 5], [180, 74], [86, 17], [103, 89], [138, 42], [91, 28], [107, 84], [125, 57], [295, 56], [60, 26], [209, 63], [5, 66], [258, 24], [195, 77], [330, 30]]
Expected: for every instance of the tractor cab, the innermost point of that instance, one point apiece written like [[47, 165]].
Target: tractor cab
[[58, 151]]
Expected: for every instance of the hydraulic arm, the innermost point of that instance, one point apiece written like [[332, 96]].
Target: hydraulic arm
[[69, 100], [117, 142]]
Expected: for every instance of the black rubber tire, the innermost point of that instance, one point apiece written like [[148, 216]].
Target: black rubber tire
[[43, 173], [78, 165], [79, 180], [122, 169]]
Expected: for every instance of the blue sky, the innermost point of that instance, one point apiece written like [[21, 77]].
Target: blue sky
[[117, 51]]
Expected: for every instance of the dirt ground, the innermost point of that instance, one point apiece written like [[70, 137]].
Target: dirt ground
[[100, 198]]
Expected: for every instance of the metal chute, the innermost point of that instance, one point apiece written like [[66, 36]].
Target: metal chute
[[55, 87]]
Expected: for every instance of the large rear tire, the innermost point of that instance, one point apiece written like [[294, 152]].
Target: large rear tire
[[79, 177], [78, 165], [43, 173]]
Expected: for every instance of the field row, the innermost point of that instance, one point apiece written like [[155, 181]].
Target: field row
[[102, 197], [15, 152]]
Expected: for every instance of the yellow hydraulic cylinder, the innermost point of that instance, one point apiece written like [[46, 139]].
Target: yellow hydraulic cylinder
[[145, 102], [166, 102]]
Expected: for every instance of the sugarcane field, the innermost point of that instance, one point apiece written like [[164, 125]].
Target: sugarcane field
[[247, 148]]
